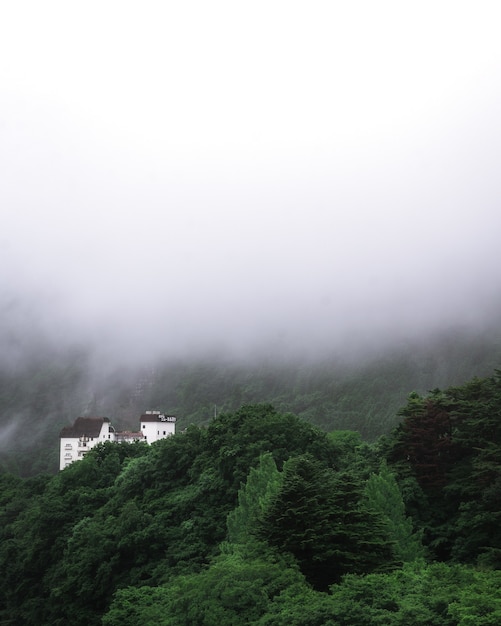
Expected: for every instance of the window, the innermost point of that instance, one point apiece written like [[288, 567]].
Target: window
[[165, 432], [144, 425]]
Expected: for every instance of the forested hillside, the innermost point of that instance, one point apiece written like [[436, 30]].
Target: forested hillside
[[362, 394], [43, 389], [262, 518]]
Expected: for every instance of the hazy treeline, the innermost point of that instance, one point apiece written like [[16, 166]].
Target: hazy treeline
[[262, 518], [44, 389]]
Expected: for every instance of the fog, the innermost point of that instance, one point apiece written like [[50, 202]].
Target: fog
[[178, 178]]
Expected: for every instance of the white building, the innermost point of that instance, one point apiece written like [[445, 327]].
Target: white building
[[156, 425], [86, 432]]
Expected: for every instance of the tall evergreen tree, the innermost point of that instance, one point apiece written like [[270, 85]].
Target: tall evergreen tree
[[383, 495], [263, 483], [321, 518]]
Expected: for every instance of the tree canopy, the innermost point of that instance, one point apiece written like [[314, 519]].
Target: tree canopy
[[261, 518]]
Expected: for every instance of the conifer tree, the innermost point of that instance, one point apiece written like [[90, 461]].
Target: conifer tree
[[263, 483], [383, 495], [321, 518]]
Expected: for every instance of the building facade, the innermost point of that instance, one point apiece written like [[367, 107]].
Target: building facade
[[75, 441], [156, 425]]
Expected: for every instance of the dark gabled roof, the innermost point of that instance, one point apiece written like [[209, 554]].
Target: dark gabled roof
[[84, 426]]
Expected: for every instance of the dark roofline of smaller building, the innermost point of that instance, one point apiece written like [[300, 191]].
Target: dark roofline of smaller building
[[84, 427], [127, 434]]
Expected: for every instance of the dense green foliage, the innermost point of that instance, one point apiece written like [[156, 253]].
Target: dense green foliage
[[261, 518], [133, 514], [383, 495], [447, 452], [320, 517]]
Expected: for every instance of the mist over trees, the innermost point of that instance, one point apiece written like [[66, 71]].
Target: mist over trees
[[44, 387]]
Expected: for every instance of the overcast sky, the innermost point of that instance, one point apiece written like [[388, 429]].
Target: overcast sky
[[180, 174]]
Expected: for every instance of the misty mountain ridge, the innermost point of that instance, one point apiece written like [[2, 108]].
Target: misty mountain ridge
[[44, 387]]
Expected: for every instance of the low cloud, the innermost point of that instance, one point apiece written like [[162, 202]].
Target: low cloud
[[343, 196]]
